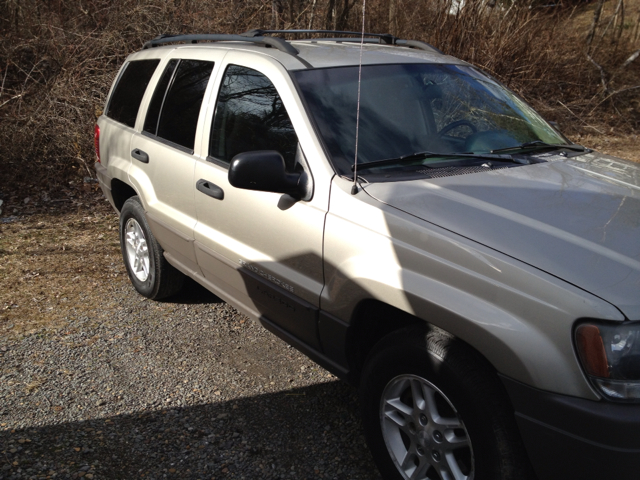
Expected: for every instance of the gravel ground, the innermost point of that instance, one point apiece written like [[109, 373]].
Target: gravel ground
[[186, 388]]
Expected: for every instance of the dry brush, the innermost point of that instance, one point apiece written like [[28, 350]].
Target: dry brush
[[58, 59]]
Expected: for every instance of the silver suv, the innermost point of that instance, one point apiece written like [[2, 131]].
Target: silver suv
[[408, 223]]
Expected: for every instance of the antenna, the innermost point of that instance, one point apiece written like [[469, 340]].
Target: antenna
[[354, 189]]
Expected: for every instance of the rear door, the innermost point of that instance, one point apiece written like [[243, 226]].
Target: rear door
[[263, 249], [164, 152], [117, 125]]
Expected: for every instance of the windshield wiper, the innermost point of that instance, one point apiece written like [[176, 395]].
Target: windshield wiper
[[423, 155], [541, 144]]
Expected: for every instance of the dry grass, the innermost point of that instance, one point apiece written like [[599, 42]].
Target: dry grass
[[619, 146], [57, 266]]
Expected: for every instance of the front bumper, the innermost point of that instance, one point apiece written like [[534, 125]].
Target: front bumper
[[573, 438]]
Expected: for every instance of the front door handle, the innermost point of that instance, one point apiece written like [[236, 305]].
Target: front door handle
[[140, 155], [208, 188]]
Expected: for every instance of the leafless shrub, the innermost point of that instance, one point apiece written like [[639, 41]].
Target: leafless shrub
[[58, 59]]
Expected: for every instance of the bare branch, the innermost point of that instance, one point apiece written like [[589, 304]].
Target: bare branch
[[633, 56], [594, 25], [603, 74], [12, 98]]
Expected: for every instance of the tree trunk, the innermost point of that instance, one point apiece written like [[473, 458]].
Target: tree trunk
[[393, 17]]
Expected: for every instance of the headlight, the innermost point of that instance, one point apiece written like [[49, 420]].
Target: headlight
[[610, 355]]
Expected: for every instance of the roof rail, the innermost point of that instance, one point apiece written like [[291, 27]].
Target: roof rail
[[386, 38], [417, 44], [257, 36], [274, 42], [383, 38]]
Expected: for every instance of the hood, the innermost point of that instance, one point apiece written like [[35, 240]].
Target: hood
[[577, 219]]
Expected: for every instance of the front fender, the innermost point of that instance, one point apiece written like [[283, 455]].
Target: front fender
[[518, 317]]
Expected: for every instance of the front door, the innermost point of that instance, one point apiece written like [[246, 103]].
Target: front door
[[265, 248]]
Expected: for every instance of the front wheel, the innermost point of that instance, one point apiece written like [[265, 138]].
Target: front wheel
[[149, 272], [433, 410]]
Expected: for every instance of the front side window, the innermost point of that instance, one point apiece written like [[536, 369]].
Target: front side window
[[175, 105], [250, 116], [127, 95]]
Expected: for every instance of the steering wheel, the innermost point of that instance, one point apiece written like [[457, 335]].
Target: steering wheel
[[456, 124]]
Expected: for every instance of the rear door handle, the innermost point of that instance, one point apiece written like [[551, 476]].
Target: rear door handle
[[140, 155], [208, 188]]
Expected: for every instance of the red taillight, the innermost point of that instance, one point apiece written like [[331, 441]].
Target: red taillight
[[96, 141]]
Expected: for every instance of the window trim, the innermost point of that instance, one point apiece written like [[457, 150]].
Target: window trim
[[217, 161]]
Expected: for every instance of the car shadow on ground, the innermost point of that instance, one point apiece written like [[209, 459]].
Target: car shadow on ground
[[310, 432], [192, 293]]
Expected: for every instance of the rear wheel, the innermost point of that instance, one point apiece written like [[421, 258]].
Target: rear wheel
[[149, 272], [434, 410]]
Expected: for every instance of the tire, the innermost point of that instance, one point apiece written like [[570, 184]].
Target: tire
[[149, 272], [433, 408]]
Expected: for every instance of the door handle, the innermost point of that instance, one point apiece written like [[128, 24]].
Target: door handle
[[208, 188], [140, 155]]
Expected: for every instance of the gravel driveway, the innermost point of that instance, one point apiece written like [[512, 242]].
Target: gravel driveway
[[187, 388]]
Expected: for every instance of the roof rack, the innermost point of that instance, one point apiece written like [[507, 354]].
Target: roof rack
[[274, 42], [257, 36], [383, 38]]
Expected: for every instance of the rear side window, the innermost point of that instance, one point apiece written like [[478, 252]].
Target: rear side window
[[250, 116], [153, 113], [125, 101], [175, 105]]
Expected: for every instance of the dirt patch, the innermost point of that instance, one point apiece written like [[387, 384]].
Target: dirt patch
[[56, 265]]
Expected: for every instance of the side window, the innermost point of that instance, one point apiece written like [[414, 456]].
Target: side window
[[126, 97], [175, 105], [250, 116], [153, 113]]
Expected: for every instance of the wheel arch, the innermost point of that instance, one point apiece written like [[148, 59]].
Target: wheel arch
[[374, 320], [121, 192]]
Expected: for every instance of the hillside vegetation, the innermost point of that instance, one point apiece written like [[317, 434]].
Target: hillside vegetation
[[576, 63]]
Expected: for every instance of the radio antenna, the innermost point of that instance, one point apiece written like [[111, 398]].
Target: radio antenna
[[354, 189]]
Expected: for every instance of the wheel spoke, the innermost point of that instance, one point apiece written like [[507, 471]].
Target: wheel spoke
[[444, 423], [454, 468], [397, 418], [421, 471], [408, 461], [418, 395], [400, 406], [131, 239], [455, 440], [431, 408]]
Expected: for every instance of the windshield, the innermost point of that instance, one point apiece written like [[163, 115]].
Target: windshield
[[415, 108]]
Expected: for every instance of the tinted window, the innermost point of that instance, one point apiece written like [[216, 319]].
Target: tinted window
[[180, 107], [153, 113], [250, 116], [125, 100]]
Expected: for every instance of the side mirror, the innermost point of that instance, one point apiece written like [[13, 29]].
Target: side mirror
[[264, 170]]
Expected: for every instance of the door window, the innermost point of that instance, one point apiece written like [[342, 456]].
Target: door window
[[250, 116], [175, 106]]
